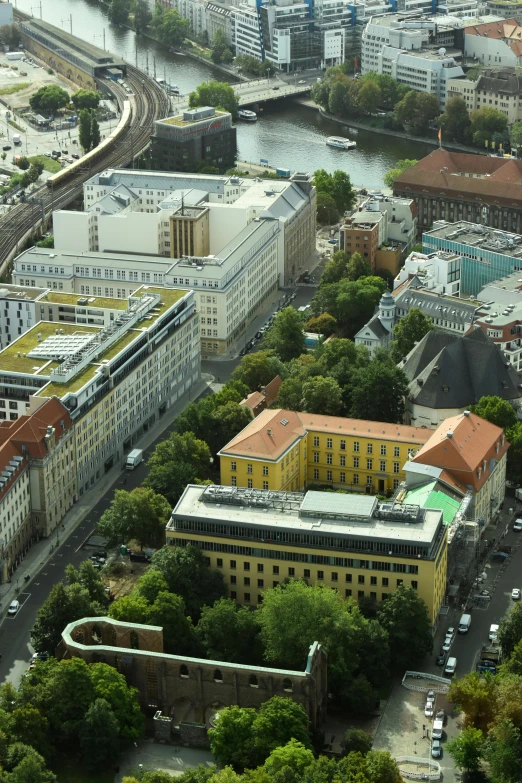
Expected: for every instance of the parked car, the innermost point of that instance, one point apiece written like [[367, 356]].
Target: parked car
[[6, 147], [441, 715], [259, 335], [436, 749], [441, 658], [517, 527], [447, 644], [428, 709], [515, 594], [14, 606], [301, 81], [430, 696], [75, 156]]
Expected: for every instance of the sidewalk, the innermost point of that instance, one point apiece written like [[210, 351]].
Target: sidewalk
[[40, 552]]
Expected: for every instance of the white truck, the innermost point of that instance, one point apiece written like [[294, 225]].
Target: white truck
[[15, 55], [134, 458], [17, 139], [464, 623]]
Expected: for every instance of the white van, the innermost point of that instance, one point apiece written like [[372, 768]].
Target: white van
[[14, 606], [464, 623], [451, 666], [493, 633], [438, 729]]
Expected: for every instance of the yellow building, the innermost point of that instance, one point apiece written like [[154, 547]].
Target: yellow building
[[353, 543], [285, 450]]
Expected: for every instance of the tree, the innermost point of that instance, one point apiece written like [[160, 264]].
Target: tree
[[339, 98], [32, 770], [141, 514], [513, 664], [336, 268], [257, 369], [382, 768], [485, 123], [168, 611], [322, 395], [322, 324], [327, 212], [99, 735], [89, 578], [142, 15], [28, 725], [369, 97], [132, 608], [351, 303], [169, 27], [337, 185], [85, 99], [356, 741], [23, 163], [515, 134], [231, 740], [219, 94], [514, 460], [123, 699], [455, 121], [63, 606], [189, 576], [294, 756], [394, 173], [378, 391], [503, 752], [408, 331], [405, 616], [85, 130], [95, 130], [290, 394], [119, 11], [499, 412], [321, 93], [286, 337], [476, 696], [510, 630], [176, 462], [467, 749], [151, 584], [49, 99], [10, 35], [416, 110], [357, 267], [230, 633], [278, 721], [220, 52]]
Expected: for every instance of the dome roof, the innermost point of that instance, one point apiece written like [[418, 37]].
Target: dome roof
[[387, 299]]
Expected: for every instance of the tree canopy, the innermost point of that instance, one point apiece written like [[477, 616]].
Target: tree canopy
[[175, 462], [49, 99], [405, 616], [285, 336], [409, 331], [394, 173], [85, 99], [169, 27], [140, 514], [337, 185], [214, 93]]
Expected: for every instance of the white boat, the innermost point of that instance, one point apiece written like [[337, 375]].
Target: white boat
[[341, 143], [246, 114]]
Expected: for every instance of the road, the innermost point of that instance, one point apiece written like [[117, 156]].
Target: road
[[15, 632]]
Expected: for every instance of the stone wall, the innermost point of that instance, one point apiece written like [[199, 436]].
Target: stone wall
[[192, 689]]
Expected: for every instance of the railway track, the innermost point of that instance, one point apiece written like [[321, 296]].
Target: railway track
[[149, 103]]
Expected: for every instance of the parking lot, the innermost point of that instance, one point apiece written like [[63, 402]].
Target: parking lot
[[14, 73]]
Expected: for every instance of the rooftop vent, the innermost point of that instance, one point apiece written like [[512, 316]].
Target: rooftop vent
[[449, 434]]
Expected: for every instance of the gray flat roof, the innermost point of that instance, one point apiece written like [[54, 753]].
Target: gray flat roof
[[193, 504], [324, 503], [482, 237]]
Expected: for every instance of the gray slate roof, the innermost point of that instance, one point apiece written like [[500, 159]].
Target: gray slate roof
[[455, 371], [435, 306], [376, 326]]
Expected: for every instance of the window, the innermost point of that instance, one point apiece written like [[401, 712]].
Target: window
[[369, 464], [360, 579], [260, 568], [220, 562], [265, 470], [260, 583], [356, 462], [355, 478], [329, 459], [233, 594], [342, 460], [414, 584], [383, 451], [274, 584], [382, 464], [291, 572], [374, 596], [232, 466], [356, 445], [183, 671], [384, 596], [347, 593], [233, 481], [316, 456], [396, 451], [396, 467], [348, 578], [232, 564], [369, 448], [329, 475], [360, 593], [217, 676], [343, 445], [249, 467], [265, 484], [307, 573], [246, 581], [385, 581], [316, 440], [400, 582], [275, 570], [316, 474], [233, 579], [320, 574], [329, 443], [253, 679], [247, 598], [335, 576], [342, 478], [249, 483]]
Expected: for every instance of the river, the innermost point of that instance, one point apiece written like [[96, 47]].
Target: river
[[286, 135]]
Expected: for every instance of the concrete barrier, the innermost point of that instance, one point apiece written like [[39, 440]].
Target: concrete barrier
[[434, 770], [421, 682]]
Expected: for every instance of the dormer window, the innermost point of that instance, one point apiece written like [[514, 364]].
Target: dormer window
[[484, 466], [479, 472]]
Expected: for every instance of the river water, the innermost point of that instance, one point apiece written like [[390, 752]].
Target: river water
[[286, 135]]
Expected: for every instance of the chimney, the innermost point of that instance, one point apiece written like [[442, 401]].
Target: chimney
[[466, 413], [269, 432], [449, 434]]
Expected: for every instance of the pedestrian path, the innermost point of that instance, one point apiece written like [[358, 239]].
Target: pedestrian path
[[41, 551]]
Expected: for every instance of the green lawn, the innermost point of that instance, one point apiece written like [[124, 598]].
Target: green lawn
[[48, 163], [70, 771]]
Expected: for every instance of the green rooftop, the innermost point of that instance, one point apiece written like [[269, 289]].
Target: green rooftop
[[169, 297], [107, 303], [181, 123], [428, 496], [10, 361]]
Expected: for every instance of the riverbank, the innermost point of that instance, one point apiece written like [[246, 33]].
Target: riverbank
[[350, 123]]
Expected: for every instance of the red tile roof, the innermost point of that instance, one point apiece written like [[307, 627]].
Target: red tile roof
[[461, 445]]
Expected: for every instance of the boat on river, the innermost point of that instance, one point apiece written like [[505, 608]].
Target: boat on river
[[247, 115], [341, 143]]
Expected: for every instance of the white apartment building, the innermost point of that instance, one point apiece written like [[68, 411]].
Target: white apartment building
[[436, 272], [497, 42], [114, 381], [246, 30], [499, 88]]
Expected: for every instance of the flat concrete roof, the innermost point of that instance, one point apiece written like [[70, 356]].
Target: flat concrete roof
[[287, 517], [479, 236]]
